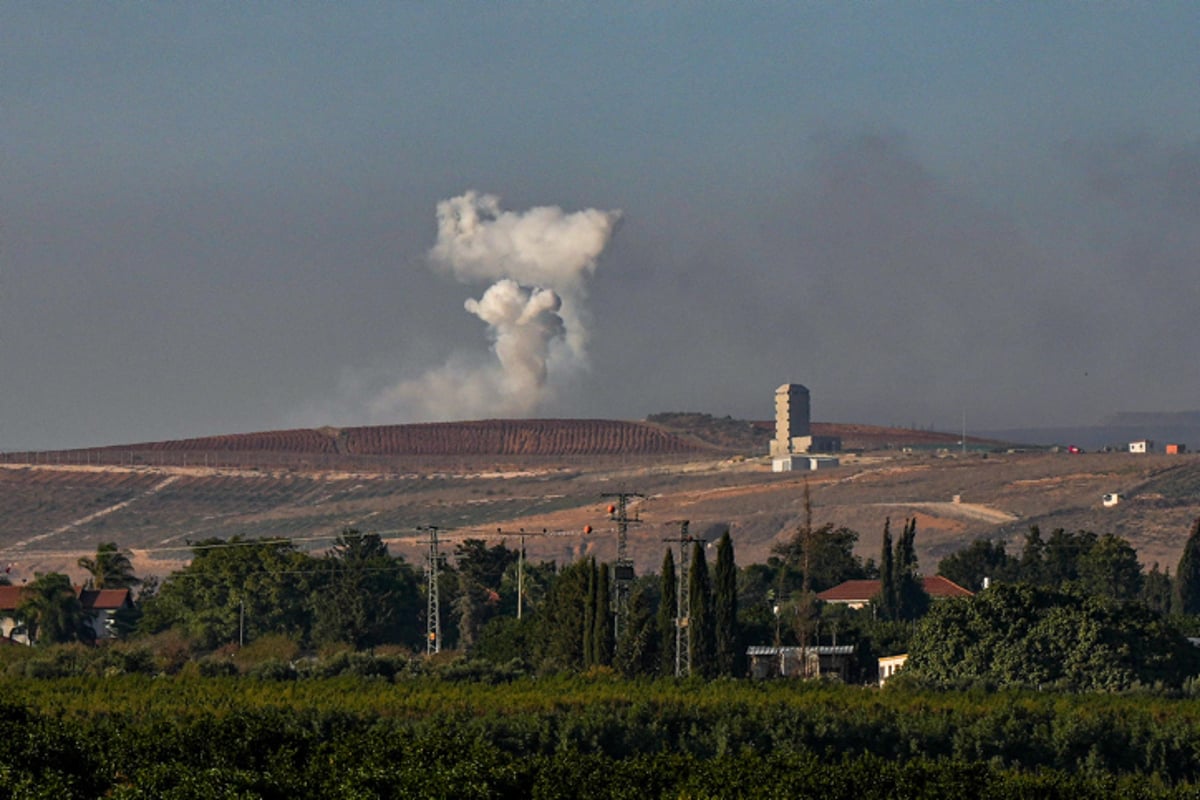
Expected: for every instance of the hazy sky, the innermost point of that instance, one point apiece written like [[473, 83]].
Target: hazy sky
[[218, 218]]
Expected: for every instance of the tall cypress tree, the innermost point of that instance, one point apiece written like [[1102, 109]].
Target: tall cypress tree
[[886, 603], [1187, 574], [911, 599], [602, 637], [668, 607], [725, 611], [589, 616], [562, 615], [637, 651], [1033, 558], [701, 628]]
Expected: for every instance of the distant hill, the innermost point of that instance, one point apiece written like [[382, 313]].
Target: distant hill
[[475, 479], [666, 434]]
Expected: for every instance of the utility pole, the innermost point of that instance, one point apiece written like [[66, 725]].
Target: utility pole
[[808, 598], [433, 615], [623, 569], [683, 601], [520, 534]]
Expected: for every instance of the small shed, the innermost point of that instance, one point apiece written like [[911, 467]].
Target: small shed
[[823, 661], [1142, 446], [1174, 449]]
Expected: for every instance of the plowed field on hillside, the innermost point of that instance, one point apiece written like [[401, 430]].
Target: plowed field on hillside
[[471, 479]]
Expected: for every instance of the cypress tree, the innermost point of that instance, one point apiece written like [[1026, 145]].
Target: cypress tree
[[1187, 574], [1033, 558], [911, 600], [667, 609], [637, 651], [725, 611], [886, 604], [602, 637], [562, 614], [701, 628], [589, 616]]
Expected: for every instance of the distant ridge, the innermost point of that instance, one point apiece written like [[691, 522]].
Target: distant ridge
[[673, 434], [496, 437]]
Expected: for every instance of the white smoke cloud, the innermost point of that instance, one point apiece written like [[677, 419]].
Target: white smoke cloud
[[538, 263]]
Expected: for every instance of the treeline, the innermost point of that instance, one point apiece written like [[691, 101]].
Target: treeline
[[1083, 605], [1073, 611], [131, 737], [357, 595]]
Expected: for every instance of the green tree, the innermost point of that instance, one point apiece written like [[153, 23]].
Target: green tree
[[756, 599], [589, 616], [1062, 555], [483, 565], [603, 632], [235, 590], [363, 596], [830, 559], [1110, 568], [983, 558], [725, 608], [1032, 568], [50, 610], [885, 604], [1187, 574], [668, 610], [911, 598], [1158, 590], [479, 578], [562, 615], [1018, 635], [638, 650], [702, 644], [110, 569]]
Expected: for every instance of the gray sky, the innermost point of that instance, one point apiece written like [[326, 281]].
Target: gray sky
[[218, 218]]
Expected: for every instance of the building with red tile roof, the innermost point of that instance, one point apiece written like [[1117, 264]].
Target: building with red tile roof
[[100, 607], [858, 593]]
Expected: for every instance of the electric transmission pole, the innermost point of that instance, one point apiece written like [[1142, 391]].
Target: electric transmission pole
[[623, 569], [433, 614], [683, 602]]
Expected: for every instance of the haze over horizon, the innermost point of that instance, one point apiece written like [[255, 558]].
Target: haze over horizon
[[222, 219]]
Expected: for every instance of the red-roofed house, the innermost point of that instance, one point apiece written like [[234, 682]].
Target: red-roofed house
[[100, 607], [858, 593]]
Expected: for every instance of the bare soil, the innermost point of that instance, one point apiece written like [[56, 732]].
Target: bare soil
[[55, 511]]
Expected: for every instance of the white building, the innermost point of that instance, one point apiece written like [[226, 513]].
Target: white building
[[889, 666], [798, 462]]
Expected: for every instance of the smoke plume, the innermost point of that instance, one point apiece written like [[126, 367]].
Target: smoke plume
[[538, 264]]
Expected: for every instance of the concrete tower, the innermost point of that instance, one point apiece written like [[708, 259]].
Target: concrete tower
[[792, 431]]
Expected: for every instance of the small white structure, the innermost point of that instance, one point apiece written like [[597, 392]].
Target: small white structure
[[890, 665], [1141, 446], [811, 463], [1111, 499]]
